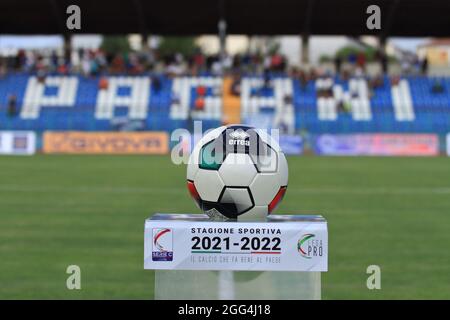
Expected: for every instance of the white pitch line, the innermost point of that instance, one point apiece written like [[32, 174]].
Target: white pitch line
[[167, 190], [371, 190]]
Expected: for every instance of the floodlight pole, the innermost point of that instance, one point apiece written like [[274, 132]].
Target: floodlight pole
[[306, 32], [222, 26], [67, 47], [305, 49]]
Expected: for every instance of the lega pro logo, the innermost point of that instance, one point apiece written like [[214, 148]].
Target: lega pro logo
[[162, 244], [308, 246]]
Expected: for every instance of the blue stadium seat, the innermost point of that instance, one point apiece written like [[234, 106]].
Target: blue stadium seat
[[432, 111]]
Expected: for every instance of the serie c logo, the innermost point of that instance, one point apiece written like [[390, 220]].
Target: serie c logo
[[162, 244]]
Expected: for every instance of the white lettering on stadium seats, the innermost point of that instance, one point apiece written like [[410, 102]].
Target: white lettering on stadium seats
[[356, 98], [35, 97], [276, 94], [402, 101], [136, 102]]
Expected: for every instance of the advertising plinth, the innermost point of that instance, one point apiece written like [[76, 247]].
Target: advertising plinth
[[197, 258]]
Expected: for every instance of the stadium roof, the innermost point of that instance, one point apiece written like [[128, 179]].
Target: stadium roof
[[253, 17]]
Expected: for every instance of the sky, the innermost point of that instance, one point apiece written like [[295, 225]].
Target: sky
[[410, 44]]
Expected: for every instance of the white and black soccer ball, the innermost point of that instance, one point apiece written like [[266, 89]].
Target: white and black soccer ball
[[237, 172]]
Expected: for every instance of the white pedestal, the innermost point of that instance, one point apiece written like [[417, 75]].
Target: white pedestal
[[178, 283]]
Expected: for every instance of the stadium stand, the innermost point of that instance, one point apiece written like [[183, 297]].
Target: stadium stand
[[328, 104]]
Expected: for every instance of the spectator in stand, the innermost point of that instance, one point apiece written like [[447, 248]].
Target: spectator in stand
[[361, 61], [94, 67], [259, 63], [54, 61], [266, 82], [94, 62], [246, 59], [3, 68], [236, 85], [199, 61], [340, 106], [352, 58], [325, 90], [301, 76], [277, 63], [41, 71], [437, 87], [200, 104], [337, 64], [406, 66], [328, 87], [217, 68], [118, 64], [384, 62], [266, 63], [303, 80], [395, 80], [424, 66], [30, 62], [237, 64], [345, 75], [156, 83], [347, 106], [133, 64], [375, 83], [85, 63], [20, 60], [63, 69], [12, 105], [174, 69], [287, 99], [358, 72], [201, 90], [313, 74], [102, 62], [103, 83]]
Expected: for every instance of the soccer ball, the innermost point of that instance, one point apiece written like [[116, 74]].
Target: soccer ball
[[237, 172]]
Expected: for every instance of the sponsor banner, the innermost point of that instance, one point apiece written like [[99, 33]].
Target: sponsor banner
[[377, 144], [106, 142], [448, 144], [259, 246], [17, 142], [291, 144]]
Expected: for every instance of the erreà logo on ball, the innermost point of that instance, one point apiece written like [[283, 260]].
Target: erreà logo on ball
[[162, 244], [239, 137], [308, 246]]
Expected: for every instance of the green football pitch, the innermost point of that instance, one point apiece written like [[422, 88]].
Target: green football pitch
[[89, 211]]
